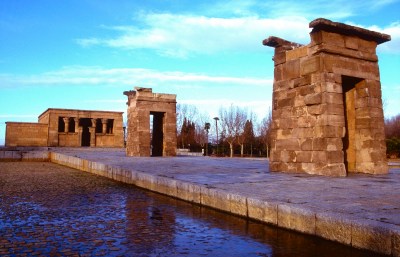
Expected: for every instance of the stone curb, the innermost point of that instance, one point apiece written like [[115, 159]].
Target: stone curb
[[364, 234]]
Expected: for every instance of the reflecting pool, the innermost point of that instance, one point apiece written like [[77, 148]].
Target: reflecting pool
[[51, 210]]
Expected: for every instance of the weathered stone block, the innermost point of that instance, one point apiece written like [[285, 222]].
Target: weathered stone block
[[278, 72], [367, 45], [319, 144], [188, 191], [371, 235], [319, 157], [332, 38], [310, 65], [332, 87], [288, 144], [238, 204], [351, 42], [332, 98], [215, 198], [331, 120], [306, 121], [333, 227], [306, 144], [291, 69], [288, 156], [329, 131], [312, 99], [296, 218], [262, 211], [284, 133], [296, 53], [302, 132], [279, 58], [334, 156], [304, 156]]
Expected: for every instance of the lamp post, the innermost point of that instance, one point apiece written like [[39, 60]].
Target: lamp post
[[207, 127], [216, 128]]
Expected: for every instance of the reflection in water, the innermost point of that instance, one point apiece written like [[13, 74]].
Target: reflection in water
[[171, 227], [149, 226]]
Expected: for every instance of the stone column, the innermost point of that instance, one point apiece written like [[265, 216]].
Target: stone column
[[93, 123], [76, 124], [80, 129], [92, 131], [66, 124], [104, 123]]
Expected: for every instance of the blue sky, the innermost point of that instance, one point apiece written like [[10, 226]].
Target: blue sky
[[83, 54]]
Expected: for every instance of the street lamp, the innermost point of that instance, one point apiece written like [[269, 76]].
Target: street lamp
[[207, 127], [216, 128]]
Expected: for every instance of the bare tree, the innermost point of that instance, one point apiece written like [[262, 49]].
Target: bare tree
[[392, 127], [200, 131], [232, 123], [240, 123], [265, 129]]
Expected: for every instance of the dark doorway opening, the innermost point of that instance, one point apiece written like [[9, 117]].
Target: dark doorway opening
[[61, 124], [349, 85], [85, 123], [157, 134], [99, 126], [71, 125]]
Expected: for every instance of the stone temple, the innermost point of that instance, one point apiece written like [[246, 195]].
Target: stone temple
[[327, 106], [68, 127], [151, 123]]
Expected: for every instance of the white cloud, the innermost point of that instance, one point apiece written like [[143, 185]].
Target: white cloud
[[237, 26], [84, 75], [181, 35], [393, 30]]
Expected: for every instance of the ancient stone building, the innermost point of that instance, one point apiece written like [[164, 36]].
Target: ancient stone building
[[327, 108], [151, 123], [65, 127]]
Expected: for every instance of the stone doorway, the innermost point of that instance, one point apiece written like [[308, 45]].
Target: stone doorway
[[151, 123], [327, 115], [85, 123], [157, 134], [349, 85]]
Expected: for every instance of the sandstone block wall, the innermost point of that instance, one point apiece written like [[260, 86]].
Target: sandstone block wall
[[161, 139], [26, 134], [327, 108]]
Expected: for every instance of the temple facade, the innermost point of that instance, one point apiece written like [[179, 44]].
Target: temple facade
[[327, 108], [66, 127]]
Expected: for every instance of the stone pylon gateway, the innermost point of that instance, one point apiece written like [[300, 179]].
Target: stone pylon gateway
[[327, 106], [151, 123]]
